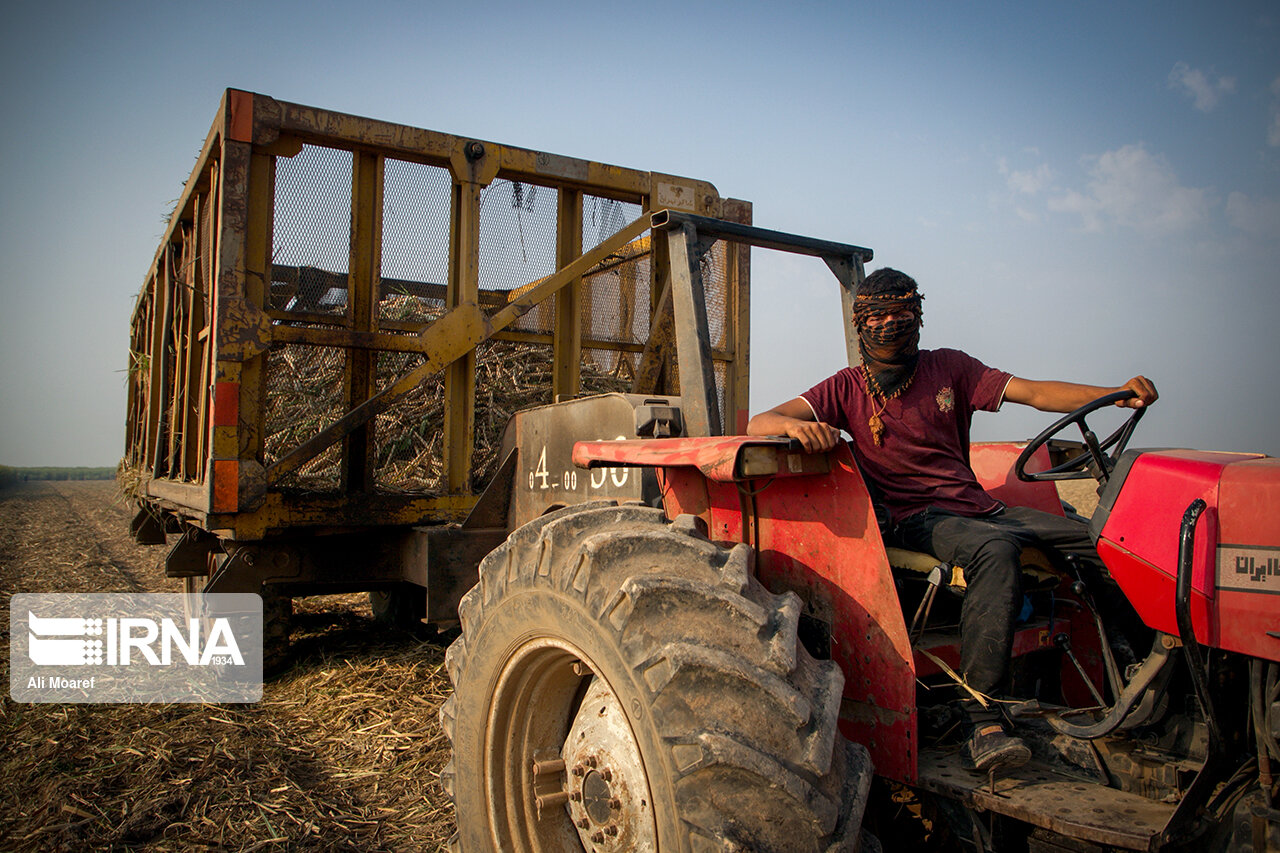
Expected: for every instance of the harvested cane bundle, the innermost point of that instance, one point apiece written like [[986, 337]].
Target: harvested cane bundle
[[305, 394]]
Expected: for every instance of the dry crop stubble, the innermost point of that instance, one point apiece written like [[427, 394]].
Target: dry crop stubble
[[343, 751]]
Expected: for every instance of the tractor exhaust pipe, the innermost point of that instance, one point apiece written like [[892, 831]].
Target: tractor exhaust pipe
[[1215, 761], [1182, 606]]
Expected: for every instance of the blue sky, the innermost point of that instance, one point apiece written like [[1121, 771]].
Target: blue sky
[[1084, 191]]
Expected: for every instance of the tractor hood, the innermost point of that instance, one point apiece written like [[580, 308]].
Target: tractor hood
[[1235, 572]]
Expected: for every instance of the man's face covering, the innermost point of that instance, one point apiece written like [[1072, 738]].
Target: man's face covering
[[888, 327]]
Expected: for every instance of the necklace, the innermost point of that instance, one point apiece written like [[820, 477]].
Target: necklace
[[875, 391]]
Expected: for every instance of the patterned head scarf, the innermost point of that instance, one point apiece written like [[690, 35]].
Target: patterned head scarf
[[889, 351]]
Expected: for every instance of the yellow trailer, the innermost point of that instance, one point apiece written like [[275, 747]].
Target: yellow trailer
[[344, 313]]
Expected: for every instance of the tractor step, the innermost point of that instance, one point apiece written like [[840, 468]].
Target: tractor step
[[1039, 795]]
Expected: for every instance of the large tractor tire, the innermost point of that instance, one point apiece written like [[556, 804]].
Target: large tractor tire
[[622, 683]]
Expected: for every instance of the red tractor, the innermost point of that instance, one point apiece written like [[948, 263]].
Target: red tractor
[[718, 652]]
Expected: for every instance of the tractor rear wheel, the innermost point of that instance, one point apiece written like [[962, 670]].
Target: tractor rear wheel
[[622, 683]]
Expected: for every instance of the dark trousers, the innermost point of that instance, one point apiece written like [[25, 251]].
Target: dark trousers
[[988, 549]]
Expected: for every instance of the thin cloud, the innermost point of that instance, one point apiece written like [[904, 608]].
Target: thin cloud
[[1024, 185], [1027, 181], [1258, 216], [1133, 188], [1204, 88]]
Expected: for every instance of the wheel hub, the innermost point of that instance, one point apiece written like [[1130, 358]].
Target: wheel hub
[[609, 798]]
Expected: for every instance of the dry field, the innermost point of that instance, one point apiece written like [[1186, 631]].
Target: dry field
[[343, 751]]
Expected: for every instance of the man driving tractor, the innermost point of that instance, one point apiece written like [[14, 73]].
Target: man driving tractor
[[909, 411]]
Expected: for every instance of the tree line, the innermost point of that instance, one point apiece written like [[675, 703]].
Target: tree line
[[10, 475]]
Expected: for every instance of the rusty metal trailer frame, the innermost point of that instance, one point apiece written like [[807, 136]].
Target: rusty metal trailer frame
[[205, 321]]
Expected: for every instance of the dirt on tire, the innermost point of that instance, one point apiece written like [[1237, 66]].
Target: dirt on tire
[[343, 752]]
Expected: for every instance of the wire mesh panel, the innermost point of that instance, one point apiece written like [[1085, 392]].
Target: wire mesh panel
[[518, 243], [304, 395], [311, 246], [408, 442], [719, 307], [715, 285], [615, 306], [615, 298], [510, 376], [415, 242], [604, 217]]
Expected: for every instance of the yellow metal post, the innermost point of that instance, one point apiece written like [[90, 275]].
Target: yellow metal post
[[472, 170], [567, 347], [260, 192], [362, 288], [737, 381]]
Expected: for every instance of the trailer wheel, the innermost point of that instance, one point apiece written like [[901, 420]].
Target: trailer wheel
[[622, 683], [401, 607], [277, 620]]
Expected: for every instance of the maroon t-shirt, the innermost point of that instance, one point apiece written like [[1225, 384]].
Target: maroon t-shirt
[[923, 458]]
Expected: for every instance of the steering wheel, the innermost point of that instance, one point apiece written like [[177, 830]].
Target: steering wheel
[[1096, 452]]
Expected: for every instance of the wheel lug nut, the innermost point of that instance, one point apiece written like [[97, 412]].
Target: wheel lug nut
[[579, 770], [606, 774], [583, 822], [598, 837], [615, 804], [576, 796], [611, 830]]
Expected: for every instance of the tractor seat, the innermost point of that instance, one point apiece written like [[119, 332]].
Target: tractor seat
[[1037, 573], [1036, 567]]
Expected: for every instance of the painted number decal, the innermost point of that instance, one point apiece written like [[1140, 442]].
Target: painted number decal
[[617, 475], [540, 473], [541, 478]]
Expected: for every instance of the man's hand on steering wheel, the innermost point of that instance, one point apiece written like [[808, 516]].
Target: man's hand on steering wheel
[[1144, 390]]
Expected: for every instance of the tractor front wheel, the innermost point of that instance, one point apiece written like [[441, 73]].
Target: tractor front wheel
[[622, 683]]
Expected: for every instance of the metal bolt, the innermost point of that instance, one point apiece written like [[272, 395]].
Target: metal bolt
[[556, 798], [575, 796], [606, 774], [598, 837], [615, 803], [611, 830], [579, 770], [555, 765], [583, 822], [590, 761], [475, 150]]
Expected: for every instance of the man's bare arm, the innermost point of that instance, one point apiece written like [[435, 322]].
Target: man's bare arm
[[1069, 396], [795, 419]]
